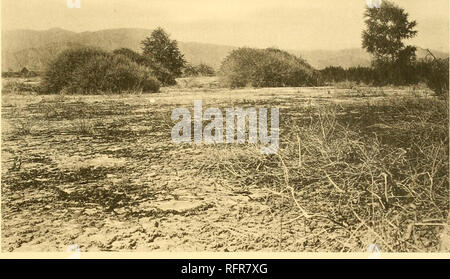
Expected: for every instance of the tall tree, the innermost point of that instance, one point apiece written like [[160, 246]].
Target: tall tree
[[387, 27], [164, 55]]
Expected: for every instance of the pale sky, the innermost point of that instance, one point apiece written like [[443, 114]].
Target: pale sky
[[288, 24]]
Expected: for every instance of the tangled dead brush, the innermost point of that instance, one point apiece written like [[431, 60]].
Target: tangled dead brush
[[368, 174]]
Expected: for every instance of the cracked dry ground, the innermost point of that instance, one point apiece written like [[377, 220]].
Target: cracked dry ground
[[102, 173]]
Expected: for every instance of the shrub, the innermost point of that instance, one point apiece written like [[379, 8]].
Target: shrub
[[164, 75], [190, 71], [381, 74], [394, 73], [161, 73], [266, 68], [205, 70], [133, 56], [435, 74], [333, 74], [151, 84], [59, 72], [91, 71], [199, 70], [361, 75]]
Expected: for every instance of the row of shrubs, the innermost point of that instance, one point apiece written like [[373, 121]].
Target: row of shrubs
[[434, 73], [201, 69], [275, 68], [91, 71]]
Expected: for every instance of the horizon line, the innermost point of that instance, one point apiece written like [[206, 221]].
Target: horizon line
[[199, 42]]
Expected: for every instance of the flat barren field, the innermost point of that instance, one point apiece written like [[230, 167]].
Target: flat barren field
[[356, 166]]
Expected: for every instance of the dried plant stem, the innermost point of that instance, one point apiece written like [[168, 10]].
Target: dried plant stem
[[299, 152], [334, 184]]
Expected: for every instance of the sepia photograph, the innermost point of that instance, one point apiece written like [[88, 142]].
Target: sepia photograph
[[225, 126]]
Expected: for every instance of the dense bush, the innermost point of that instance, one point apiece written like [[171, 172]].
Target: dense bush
[[199, 70], [333, 74], [266, 68], [164, 75], [380, 75], [435, 74], [358, 75], [432, 72], [91, 71], [397, 73], [133, 56], [59, 72], [161, 73]]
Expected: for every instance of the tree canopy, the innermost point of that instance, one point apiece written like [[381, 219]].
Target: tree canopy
[[387, 28], [164, 55]]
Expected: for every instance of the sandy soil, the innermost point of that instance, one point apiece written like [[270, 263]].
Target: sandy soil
[[102, 172]]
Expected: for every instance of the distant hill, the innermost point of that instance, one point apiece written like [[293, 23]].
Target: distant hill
[[34, 49]]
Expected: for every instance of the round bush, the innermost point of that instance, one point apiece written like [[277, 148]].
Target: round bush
[[151, 84], [266, 68], [161, 73], [59, 72], [94, 71]]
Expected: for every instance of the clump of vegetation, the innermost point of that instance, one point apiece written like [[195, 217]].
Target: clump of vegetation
[[202, 69], [359, 75], [133, 56], [160, 56], [161, 73], [82, 126], [435, 74], [59, 72], [394, 63], [387, 28], [112, 73], [93, 71], [266, 68]]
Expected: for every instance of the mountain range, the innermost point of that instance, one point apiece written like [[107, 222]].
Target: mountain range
[[34, 49]]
